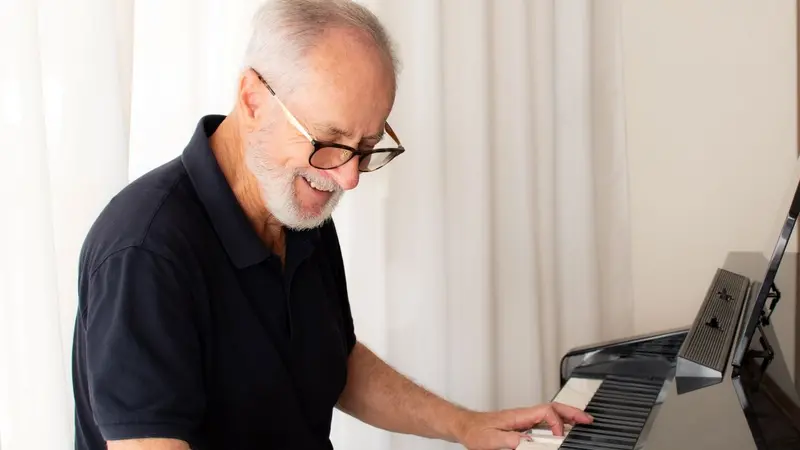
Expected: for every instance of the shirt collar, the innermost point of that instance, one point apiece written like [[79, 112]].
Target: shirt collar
[[240, 240]]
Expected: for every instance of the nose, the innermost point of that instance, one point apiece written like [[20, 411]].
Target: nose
[[346, 175]]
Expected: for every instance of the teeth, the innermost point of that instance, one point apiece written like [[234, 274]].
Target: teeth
[[318, 186]]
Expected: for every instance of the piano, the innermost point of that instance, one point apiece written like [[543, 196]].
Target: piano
[[726, 381]]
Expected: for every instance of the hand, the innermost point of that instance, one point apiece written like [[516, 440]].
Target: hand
[[505, 429]]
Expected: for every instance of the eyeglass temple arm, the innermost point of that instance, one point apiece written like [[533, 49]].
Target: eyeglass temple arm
[[392, 134], [299, 127], [293, 121], [305, 133], [288, 114]]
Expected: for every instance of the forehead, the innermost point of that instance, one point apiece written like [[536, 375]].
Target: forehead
[[349, 84]]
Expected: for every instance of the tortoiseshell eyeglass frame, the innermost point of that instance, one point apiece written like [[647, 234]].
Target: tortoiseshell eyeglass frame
[[347, 152]]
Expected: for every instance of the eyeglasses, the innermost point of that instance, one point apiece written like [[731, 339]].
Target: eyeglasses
[[330, 155]]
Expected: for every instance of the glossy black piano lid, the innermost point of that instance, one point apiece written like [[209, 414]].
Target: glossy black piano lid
[[766, 381], [752, 315]]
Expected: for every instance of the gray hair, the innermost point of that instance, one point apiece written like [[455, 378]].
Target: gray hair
[[283, 31]]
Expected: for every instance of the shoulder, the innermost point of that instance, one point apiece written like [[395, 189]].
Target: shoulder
[[333, 252], [153, 213], [330, 241], [328, 233]]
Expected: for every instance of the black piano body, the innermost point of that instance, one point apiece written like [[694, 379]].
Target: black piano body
[[653, 397], [727, 381]]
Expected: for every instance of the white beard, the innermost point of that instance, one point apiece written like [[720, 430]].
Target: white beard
[[278, 191]]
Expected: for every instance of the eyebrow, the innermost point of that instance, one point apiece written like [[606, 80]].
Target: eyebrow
[[329, 129]]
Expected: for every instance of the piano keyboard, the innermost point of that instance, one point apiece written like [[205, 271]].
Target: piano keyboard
[[620, 406]]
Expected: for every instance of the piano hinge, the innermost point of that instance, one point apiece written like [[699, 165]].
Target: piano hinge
[[766, 354], [775, 295]]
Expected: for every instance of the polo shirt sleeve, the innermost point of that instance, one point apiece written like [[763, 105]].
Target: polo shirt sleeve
[[143, 350]]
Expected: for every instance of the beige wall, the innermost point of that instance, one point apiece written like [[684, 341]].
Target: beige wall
[[711, 128]]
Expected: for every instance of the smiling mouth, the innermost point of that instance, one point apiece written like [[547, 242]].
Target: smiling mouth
[[317, 186]]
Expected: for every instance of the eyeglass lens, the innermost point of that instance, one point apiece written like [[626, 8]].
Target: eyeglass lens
[[332, 157]]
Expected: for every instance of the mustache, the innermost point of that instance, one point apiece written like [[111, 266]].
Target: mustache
[[264, 167], [324, 182]]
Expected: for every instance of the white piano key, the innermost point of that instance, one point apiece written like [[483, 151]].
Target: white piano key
[[549, 438], [577, 392], [538, 445], [543, 429]]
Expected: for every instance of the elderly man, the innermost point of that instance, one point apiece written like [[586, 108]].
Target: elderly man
[[213, 305]]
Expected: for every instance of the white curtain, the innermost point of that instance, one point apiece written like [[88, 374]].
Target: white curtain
[[498, 241]]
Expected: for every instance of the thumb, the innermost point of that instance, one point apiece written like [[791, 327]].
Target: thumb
[[507, 439]]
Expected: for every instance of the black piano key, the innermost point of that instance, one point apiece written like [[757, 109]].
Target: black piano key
[[618, 411], [598, 431], [601, 425], [642, 389], [647, 391], [608, 406], [633, 397], [609, 418], [598, 440], [592, 446], [620, 387], [622, 404], [611, 401], [633, 381], [583, 443], [625, 400], [620, 407], [653, 382], [617, 421], [601, 400]]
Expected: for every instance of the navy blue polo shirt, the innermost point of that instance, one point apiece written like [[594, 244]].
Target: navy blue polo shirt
[[189, 327]]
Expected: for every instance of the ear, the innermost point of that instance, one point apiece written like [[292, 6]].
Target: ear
[[252, 96]]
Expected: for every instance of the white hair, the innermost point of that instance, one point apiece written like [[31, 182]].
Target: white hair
[[283, 31]]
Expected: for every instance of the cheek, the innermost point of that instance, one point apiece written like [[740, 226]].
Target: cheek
[[300, 185], [287, 148], [291, 152], [297, 154]]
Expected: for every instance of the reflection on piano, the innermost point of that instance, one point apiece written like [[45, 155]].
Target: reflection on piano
[[721, 383]]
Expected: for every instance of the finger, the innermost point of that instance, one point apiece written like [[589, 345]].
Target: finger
[[554, 420], [508, 439], [571, 414]]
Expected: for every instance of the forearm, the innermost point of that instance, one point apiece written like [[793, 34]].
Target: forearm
[[380, 396], [148, 444]]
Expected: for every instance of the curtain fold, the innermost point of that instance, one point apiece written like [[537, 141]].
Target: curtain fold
[[467, 166], [34, 393], [90, 59], [474, 261], [576, 258], [541, 51], [609, 157], [518, 361], [507, 238]]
